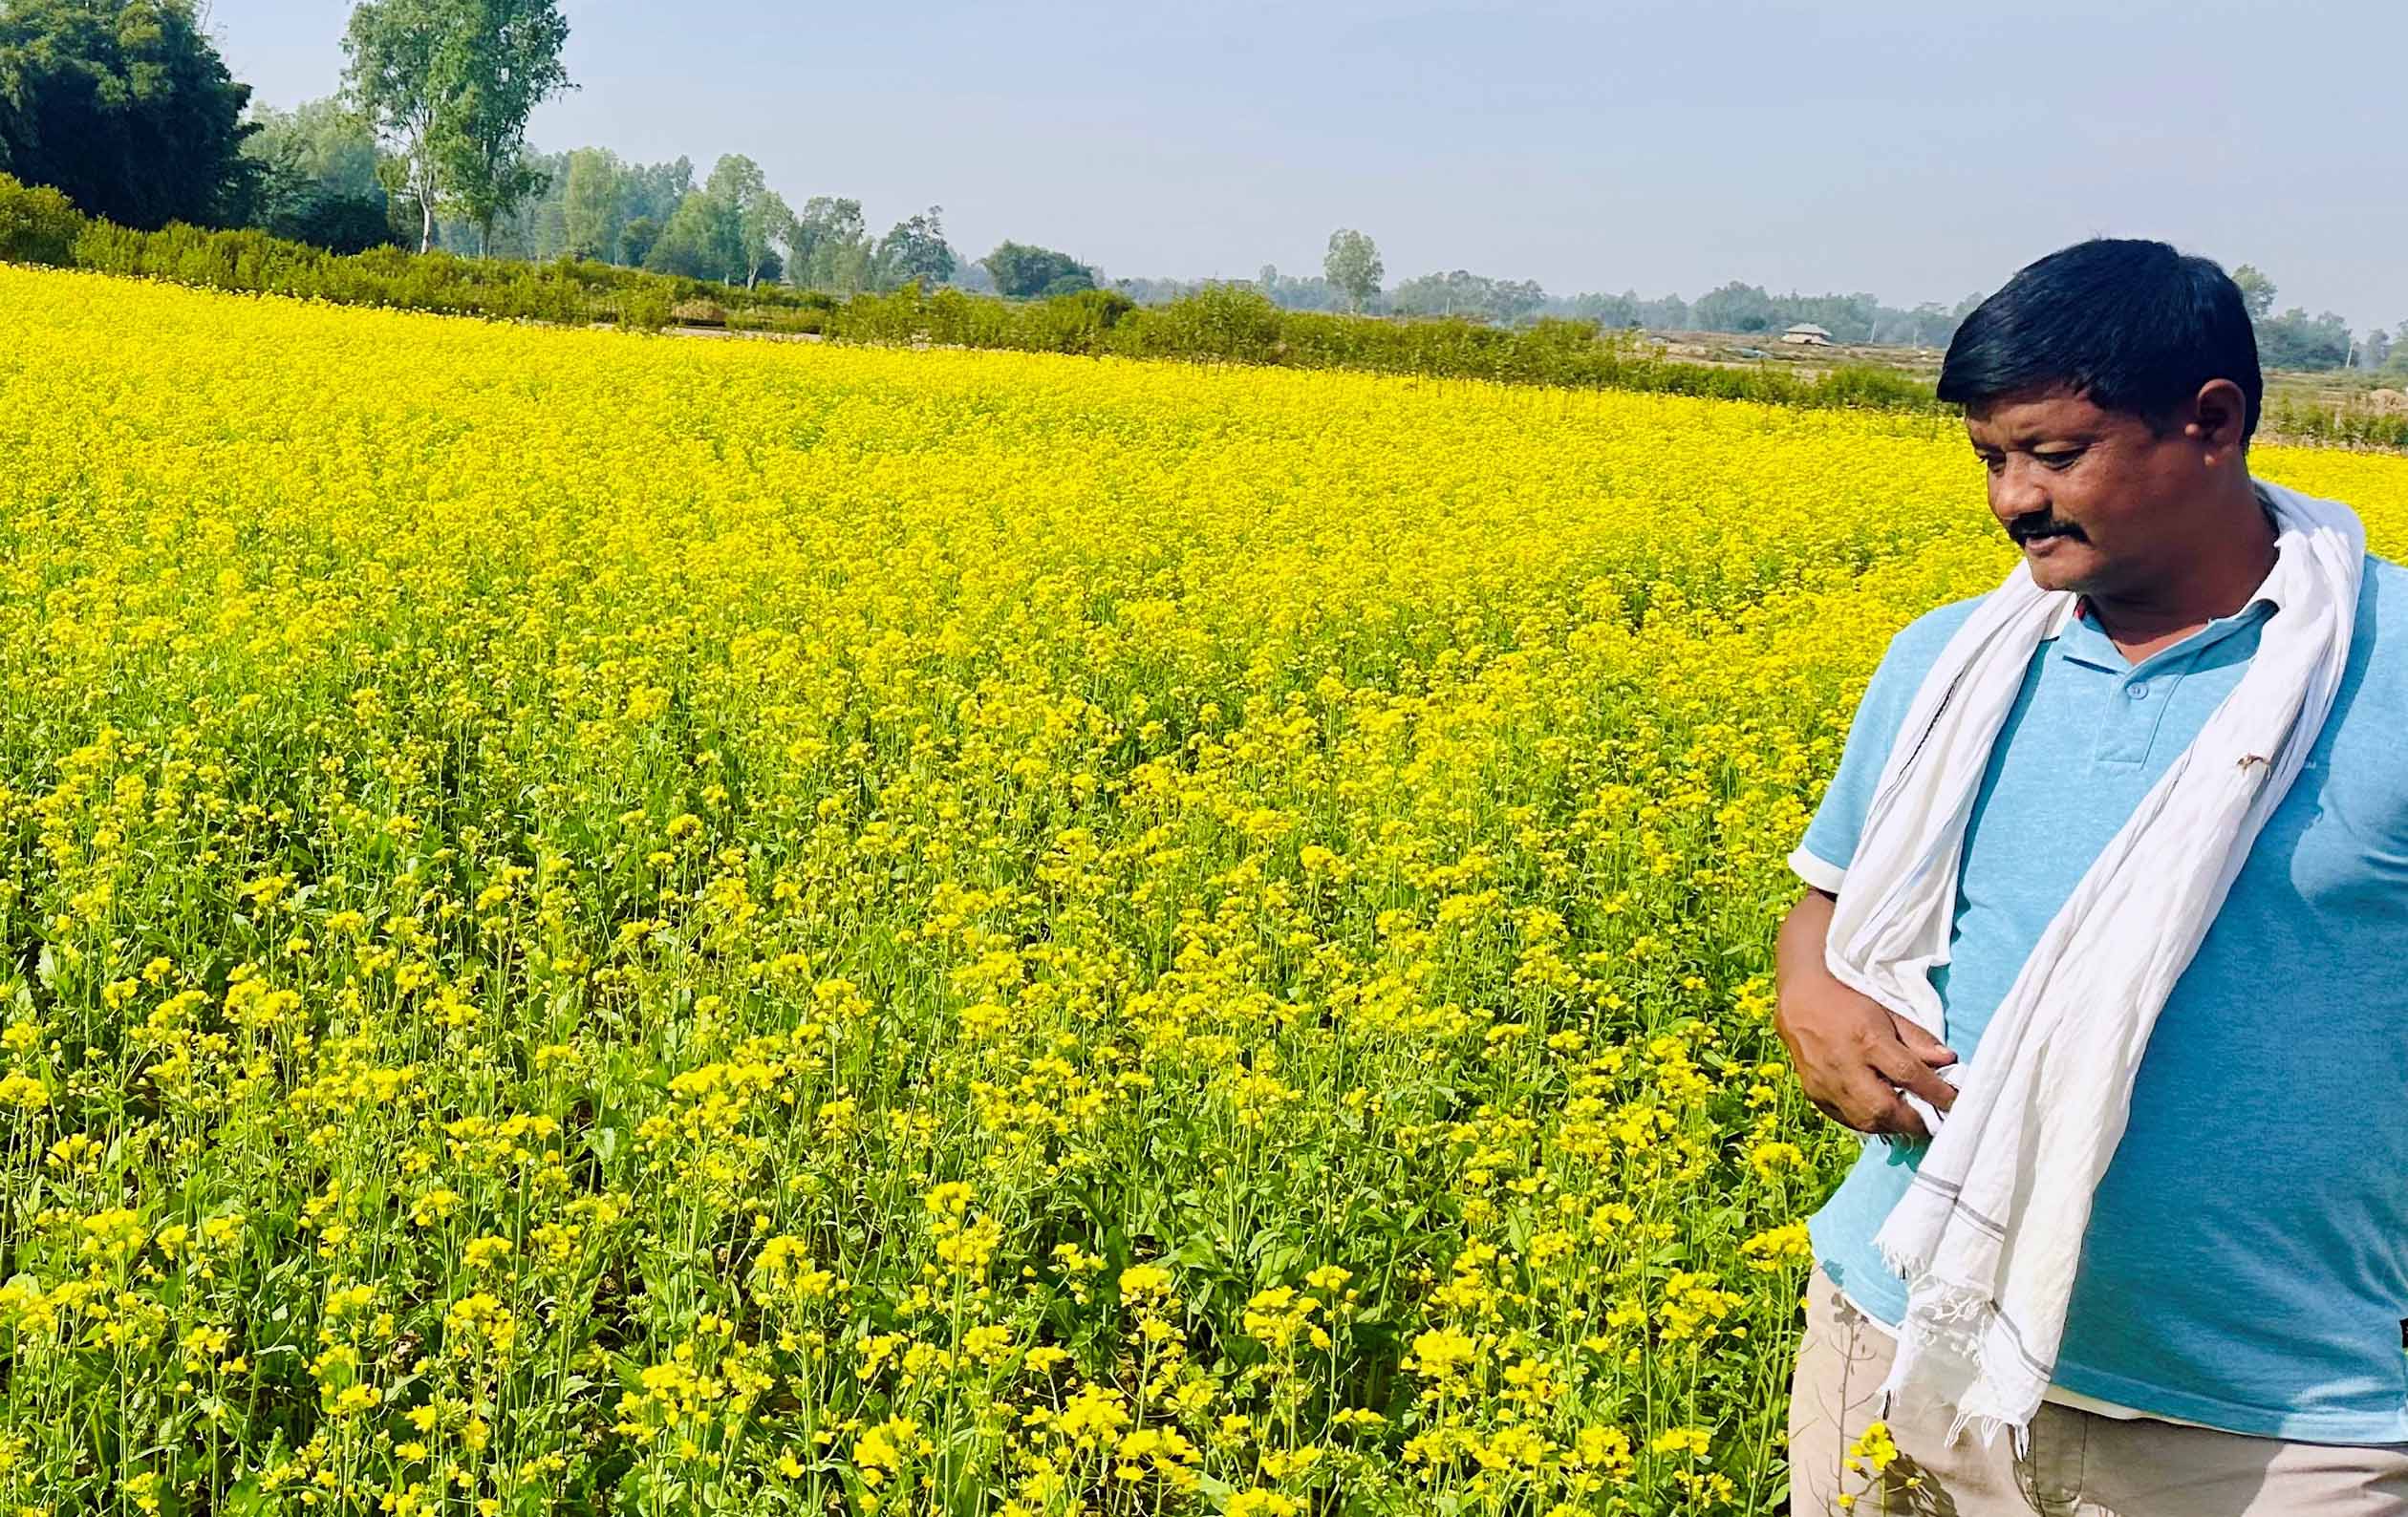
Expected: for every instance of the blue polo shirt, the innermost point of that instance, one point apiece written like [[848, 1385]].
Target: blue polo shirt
[[2245, 1264]]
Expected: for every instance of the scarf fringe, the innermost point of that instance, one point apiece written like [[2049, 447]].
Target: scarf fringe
[[1946, 1332]]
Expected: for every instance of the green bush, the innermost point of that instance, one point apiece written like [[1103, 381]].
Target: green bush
[[38, 224], [1222, 323]]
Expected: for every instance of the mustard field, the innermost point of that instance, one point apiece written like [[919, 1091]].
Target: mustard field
[[597, 923]]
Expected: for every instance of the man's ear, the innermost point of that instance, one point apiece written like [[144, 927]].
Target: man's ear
[[2219, 418]]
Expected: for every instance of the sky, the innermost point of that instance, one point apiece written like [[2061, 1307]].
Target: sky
[[1917, 149]]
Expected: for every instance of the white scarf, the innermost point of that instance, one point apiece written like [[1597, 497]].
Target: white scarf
[[1989, 1232]]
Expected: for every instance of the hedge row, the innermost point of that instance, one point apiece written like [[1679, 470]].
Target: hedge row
[[1228, 324], [1223, 324]]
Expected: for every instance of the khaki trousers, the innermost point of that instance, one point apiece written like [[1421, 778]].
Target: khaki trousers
[[2081, 1465]]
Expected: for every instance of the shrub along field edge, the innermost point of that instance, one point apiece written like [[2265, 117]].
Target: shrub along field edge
[[1223, 324]]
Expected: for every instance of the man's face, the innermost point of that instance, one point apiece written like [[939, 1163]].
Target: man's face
[[2097, 502]]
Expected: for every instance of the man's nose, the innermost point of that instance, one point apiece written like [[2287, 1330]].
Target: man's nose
[[2019, 488]]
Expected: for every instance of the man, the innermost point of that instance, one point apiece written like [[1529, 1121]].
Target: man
[[2233, 1340]]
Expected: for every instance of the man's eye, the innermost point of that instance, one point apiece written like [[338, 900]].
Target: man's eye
[[2059, 460], [1993, 461]]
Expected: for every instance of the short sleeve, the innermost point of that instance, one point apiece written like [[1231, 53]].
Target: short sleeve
[[1821, 859]]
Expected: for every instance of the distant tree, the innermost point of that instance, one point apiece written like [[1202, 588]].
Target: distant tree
[[1461, 293], [972, 279], [1267, 280], [655, 190], [316, 179], [1023, 271], [1736, 308], [636, 239], [1435, 295], [2257, 291], [126, 108], [500, 60], [537, 228], [1606, 310], [702, 239], [2374, 349], [916, 248], [761, 218], [1352, 264], [318, 140], [828, 247], [591, 195], [2397, 361], [2295, 340], [1930, 325]]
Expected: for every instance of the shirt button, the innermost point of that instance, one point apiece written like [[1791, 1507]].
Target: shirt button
[[2138, 690]]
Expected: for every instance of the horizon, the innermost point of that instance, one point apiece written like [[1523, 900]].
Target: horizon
[[1165, 144]]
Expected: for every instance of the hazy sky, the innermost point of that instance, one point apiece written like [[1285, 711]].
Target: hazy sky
[[1919, 149]]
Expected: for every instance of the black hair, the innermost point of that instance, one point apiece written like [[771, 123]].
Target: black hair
[[2130, 324]]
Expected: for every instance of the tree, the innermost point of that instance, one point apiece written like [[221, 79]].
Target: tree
[[450, 84], [319, 142], [914, 248], [2257, 291], [500, 60], [828, 247], [700, 241], [123, 106], [1462, 293], [2295, 340], [1735, 306], [655, 190], [762, 220], [635, 241], [591, 193], [318, 178], [1023, 272], [390, 78], [1352, 264]]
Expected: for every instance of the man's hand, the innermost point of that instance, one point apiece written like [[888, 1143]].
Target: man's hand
[[1853, 1055]]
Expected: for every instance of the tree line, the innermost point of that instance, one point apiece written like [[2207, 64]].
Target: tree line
[[126, 107]]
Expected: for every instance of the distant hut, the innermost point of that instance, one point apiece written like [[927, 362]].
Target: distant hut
[[1808, 332]]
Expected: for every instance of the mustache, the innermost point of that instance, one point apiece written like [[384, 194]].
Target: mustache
[[2032, 525]]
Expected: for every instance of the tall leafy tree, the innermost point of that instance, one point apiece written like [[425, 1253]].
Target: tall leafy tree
[[655, 190], [500, 60], [592, 199], [1352, 264], [830, 246], [915, 249], [392, 78], [762, 220], [700, 241], [125, 107], [2257, 291], [1023, 271], [450, 84]]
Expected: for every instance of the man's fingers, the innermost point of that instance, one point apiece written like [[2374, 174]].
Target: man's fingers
[[1905, 1069], [1871, 1105], [1920, 1043], [1897, 1116]]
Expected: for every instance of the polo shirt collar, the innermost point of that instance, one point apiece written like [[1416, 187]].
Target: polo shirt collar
[[2081, 640]]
